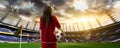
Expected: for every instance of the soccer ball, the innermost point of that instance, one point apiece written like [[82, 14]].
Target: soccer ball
[[58, 35]]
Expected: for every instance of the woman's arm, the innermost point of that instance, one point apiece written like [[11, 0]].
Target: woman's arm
[[57, 24]]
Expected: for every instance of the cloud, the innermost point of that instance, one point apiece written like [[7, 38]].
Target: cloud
[[58, 2]]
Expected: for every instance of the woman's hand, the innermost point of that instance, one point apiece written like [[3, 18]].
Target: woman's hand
[[62, 34]]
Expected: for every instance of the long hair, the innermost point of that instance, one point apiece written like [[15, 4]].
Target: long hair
[[47, 15]]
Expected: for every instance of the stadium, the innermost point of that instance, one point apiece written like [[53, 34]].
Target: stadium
[[86, 23]]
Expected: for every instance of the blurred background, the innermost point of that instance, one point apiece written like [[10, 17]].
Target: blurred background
[[81, 20]]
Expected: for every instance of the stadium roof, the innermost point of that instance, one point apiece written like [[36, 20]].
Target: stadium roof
[[86, 14]]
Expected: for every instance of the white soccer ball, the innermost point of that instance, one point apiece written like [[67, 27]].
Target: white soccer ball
[[58, 35]]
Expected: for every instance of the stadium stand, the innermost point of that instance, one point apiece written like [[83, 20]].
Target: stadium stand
[[107, 27], [6, 34]]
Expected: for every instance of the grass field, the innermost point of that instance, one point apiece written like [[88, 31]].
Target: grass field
[[63, 45]]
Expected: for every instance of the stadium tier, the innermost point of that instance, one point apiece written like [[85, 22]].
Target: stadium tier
[[109, 33]]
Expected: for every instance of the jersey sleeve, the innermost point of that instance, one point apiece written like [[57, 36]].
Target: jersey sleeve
[[57, 24]]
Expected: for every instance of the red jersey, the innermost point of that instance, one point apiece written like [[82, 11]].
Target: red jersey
[[47, 34]]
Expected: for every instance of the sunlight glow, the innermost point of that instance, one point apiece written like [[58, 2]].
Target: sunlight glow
[[83, 19], [80, 5]]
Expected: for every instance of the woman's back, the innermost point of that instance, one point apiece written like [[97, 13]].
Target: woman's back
[[48, 31]]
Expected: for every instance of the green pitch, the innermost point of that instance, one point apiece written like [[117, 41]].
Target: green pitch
[[63, 45]]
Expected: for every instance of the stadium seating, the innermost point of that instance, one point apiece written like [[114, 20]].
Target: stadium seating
[[9, 38]]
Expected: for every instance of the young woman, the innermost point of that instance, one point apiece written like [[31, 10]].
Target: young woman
[[48, 22]]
